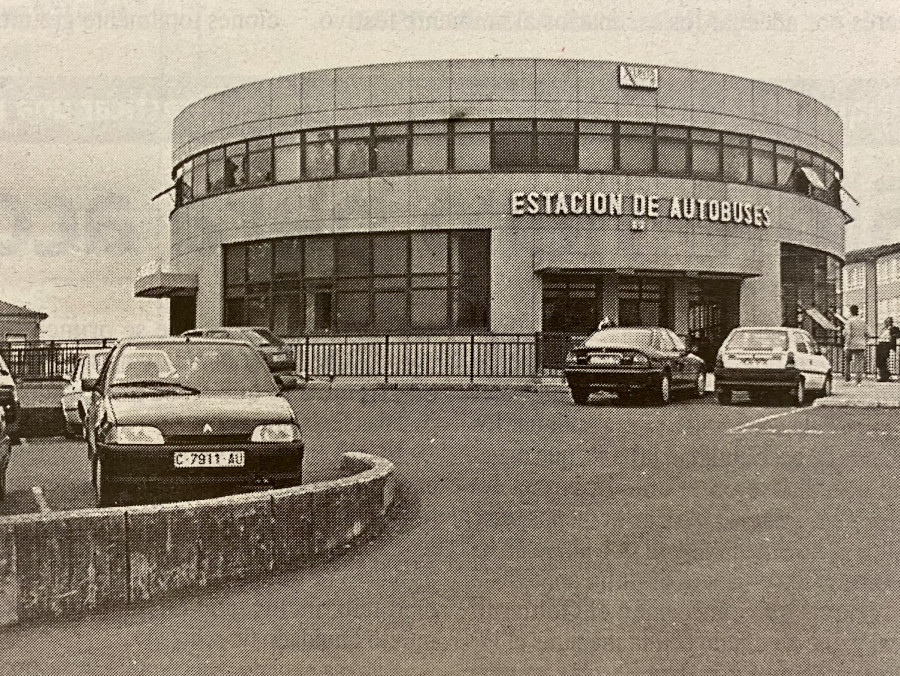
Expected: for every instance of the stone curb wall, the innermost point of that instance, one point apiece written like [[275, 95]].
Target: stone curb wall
[[62, 564]]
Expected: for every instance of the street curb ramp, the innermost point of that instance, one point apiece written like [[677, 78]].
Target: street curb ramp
[[67, 564]]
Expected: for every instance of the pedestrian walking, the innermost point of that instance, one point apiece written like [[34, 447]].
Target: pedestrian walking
[[886, 342], [855, 336]]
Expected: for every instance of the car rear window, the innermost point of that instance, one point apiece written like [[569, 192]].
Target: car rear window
[[759, 340], [268, 338], [620, 336]]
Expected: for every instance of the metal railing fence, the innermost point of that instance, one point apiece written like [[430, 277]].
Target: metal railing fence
[[384, 357], [48, 359]]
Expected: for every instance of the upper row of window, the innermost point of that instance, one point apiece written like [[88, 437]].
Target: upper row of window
[[504, 146]]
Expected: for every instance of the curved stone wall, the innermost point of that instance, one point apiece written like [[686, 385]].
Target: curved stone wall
[[69, 563]]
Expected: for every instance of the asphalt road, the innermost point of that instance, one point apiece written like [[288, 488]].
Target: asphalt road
[[542, 538]]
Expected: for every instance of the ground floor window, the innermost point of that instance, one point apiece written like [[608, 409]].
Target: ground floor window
[[809, 279], [572, 304], [644, 301], [397, 282]]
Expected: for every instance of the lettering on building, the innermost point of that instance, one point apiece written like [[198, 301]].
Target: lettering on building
[[638, 206]]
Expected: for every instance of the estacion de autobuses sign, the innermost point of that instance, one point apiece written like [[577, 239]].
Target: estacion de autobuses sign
[[638, 206]]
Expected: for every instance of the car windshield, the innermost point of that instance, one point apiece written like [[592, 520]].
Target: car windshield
[[188, 368], [759, 340], [620, 336]]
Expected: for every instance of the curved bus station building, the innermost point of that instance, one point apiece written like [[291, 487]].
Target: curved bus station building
[[503, 196]]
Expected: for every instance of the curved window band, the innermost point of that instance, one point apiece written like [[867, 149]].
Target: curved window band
[[506, 146]]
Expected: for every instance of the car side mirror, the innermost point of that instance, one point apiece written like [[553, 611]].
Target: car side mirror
[[286, 382], [88, 384]]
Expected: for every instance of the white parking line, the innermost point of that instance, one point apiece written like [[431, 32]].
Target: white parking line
[[772, 430], [40, 499], [768, 417]]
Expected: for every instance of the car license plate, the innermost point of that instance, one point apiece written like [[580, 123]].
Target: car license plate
[[606, 359], [209, 459]]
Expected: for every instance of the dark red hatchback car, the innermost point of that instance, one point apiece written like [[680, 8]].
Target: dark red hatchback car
[[192, 416]]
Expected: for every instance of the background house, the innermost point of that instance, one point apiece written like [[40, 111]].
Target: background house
[[19, 323]]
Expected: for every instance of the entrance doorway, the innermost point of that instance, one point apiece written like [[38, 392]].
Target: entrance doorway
[[182, 314], [713, 310]]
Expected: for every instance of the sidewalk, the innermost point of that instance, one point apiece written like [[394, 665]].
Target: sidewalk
[[870, 394]]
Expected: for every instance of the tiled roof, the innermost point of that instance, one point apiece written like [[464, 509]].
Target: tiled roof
[[10, 310], [872, 252]]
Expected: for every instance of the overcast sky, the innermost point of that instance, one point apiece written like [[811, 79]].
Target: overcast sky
[[90, 88]]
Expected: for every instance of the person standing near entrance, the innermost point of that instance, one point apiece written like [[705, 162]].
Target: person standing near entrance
[[887, 340], [855, 344]]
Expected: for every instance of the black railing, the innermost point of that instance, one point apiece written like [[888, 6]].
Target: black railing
[[463, 357], [385, 357], [48, 359]]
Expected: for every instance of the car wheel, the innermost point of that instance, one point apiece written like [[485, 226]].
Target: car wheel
[[580, 395], [799, 394], [72, 431], [723, 396], [700, 388], [102, 489], [826, 387], [663, 393]]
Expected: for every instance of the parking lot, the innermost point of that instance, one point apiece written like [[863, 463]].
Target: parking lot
[[541, 537]]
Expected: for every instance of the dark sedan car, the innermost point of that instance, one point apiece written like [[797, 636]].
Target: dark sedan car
[[177, 413], [639, 360], [278, 354]]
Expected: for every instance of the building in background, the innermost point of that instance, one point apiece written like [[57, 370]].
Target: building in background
[[872, 282], [503, 196], [20, 323]]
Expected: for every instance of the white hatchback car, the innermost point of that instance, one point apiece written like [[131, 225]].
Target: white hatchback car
[[762, 360], [76, 395]]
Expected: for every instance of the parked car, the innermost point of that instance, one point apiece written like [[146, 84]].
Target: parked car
[[76, 394], [767, 360], [9, 400], [276, 352], [6, 443], [634, 360], [190, 414]]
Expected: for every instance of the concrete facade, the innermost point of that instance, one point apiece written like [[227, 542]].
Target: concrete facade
[[522, 247]]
